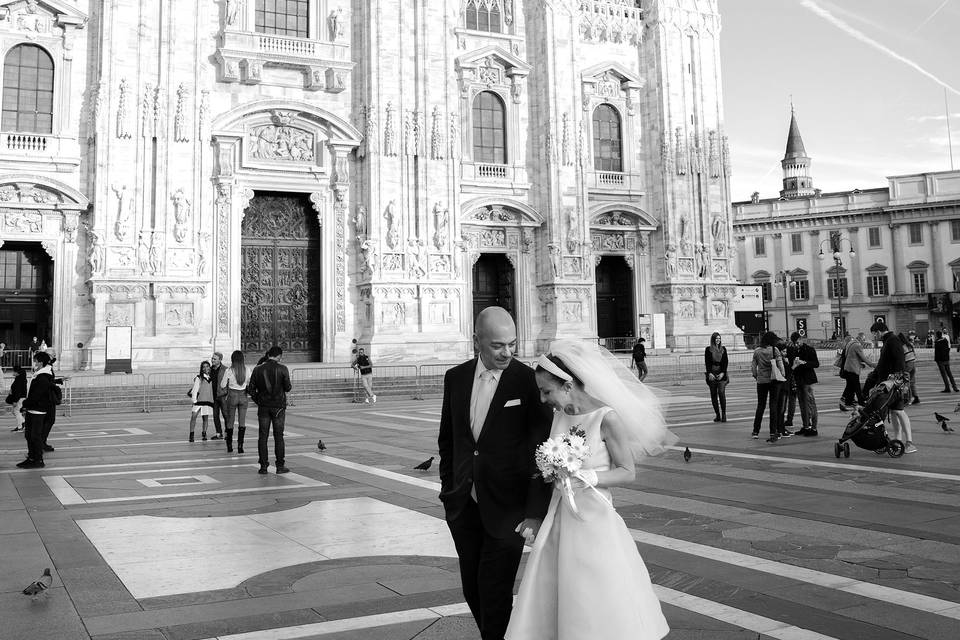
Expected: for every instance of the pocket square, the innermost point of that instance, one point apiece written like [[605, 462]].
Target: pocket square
[[512, 403]]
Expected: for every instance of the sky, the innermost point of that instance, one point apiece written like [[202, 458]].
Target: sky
[[867, 80]]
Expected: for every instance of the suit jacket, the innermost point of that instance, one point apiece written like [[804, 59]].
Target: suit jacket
[[501, 462], [805, 373]]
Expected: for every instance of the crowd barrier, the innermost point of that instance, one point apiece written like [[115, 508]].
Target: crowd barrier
[[168, 390]]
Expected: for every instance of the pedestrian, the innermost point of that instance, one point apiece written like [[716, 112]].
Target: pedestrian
[[235, 403], [890, 362], [18, 391], [788, 402], [715, 363], [33, 347], [217, 369], [910, 360], [41, 399], [491, 421], [639, 359], [363, 365], [941, 355], [804, 365], [768, 370], [269, 385], [202, 396], [851, 360]]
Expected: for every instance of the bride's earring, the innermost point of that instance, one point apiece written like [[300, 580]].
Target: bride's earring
[[569, 409]]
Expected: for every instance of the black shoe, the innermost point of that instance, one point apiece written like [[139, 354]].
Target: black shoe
[[788, 424], [204, 437], [240, 448], [717, 419], [216, 437], [191, 438], [25, 464], [31, 464], [263, 471], [47, 447], [282, 469], [916, 400], [945, 391], [811, 432], [773, 438], [229, 449], [723, 418], [786, 433], [755, 435]]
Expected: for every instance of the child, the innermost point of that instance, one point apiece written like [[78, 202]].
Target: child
[[18, 391], [202, 395]]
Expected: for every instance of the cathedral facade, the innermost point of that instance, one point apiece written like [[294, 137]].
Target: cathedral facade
[[221, 174]]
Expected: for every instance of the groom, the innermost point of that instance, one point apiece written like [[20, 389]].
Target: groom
[[491, 422]]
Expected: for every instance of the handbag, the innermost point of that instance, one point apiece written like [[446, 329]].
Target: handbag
[[775, 372]]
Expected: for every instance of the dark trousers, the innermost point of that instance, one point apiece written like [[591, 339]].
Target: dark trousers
[[852, 390], [267, 416], [718, 396], [775, 391], [217, 413], [488, 569], [48, 421], [808, 405], [789, 401], [947, 376], [33, 432]]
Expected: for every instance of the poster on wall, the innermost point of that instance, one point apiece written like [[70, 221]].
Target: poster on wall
[[659, 331], [119, 350]]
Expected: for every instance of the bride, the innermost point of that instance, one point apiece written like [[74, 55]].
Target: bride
[[584, 578]]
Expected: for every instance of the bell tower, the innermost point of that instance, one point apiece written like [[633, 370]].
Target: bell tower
[[797, 181]]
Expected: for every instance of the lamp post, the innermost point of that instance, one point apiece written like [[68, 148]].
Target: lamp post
[[783, 278], [836, 242]]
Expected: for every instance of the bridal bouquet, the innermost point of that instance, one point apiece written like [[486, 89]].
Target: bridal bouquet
[[561, 458]]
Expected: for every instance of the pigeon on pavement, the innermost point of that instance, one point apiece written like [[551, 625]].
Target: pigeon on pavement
[[942, 421], [425, 465], [321, 446], [956, 409], [687, 455], [39, 588]]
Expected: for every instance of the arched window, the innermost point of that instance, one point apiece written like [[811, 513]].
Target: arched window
[[606, 139], [484, 15], [283, 17], [489, 129], [28, 90]]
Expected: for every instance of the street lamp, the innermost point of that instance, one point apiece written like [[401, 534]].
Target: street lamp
[[782, 279], [836, 242]]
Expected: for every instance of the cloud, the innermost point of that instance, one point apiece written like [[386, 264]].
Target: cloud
[[862, 37], [939, 118]]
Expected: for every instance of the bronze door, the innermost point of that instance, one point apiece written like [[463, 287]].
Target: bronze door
[[493, 283], [280, 277], [26, 294], [615, 316]]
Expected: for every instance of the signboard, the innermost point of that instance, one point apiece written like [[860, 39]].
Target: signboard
[[748, 298], [659, 331], [802, 327], [880, 318], [839, 326], [119, 348]]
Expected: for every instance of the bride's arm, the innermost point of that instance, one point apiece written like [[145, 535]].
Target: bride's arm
[[622, 470]]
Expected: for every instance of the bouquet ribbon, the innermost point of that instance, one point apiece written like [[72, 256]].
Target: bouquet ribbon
[[566, 486]]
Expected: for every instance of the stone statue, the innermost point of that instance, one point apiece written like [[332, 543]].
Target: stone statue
[[417, 254], [95, 252], [181, 211], [555, 259], [393, 236], [360, 220], [122, 226], [335, 23], [441, 217], [670, 258], [143, 252], [700, 260]]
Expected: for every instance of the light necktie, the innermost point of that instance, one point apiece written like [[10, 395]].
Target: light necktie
[[484, 393]]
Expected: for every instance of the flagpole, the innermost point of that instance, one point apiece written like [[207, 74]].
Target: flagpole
[[946, 106]]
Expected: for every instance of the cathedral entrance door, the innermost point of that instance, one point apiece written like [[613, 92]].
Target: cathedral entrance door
[[280, 277], [493, 283], [615, 316], [26, 286]]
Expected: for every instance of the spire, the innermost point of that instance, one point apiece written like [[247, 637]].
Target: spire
[[797, 181]]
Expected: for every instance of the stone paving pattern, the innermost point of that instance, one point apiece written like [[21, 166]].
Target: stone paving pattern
[[889, 527]]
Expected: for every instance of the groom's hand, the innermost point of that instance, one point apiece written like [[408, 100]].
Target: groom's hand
[[528, 529]]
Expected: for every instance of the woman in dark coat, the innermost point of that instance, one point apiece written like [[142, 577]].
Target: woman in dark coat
[[715, 366]]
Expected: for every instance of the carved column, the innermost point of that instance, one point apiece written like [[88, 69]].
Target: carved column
[[341, 190]]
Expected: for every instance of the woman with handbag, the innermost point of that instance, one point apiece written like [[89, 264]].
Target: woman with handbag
[[235, 382], [715, 366], [769, 370], [910, 362], [202, 396], [851, 360]]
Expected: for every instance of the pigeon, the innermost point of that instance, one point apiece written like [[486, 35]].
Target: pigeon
[[687, 455], [321, 446], [956, 409], [425, 465], [943, 420], [39, 588]]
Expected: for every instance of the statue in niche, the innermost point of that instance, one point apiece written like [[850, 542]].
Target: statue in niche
[[368, 256], [572, 230], [670, 259], [393, 236], [389, 135], [143, 252], [700, 260], [417, 254], [360, 220], [95, 252], [233, 10], [441, 222], [203, 240], [555, 258], [335, 23], [122, 226], [155, 262], [181, 211]]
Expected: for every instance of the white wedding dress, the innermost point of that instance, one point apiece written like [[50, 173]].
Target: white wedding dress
[[584, 579]]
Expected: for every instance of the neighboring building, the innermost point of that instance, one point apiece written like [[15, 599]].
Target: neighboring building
[[904, 239], [239, 173]]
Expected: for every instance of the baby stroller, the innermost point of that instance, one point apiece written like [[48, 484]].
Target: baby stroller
[[866, 426]]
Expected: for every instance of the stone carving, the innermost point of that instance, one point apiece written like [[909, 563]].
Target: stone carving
[[614, 218], [685, 232], [181, 215], [700, 261], [441, 226], [437, 145], [670, 260], [713, 156], [143, 252], [392, 262], [233, 10], [389, 131], [121, 228], [680, 153], [156, 262], [565, 141], [454, 135], [612, 241], [368, 256], [203, 246], [180, 131], [119, 315], [360, 220], [335, 24], [123, 108], [146, 113], [718, 309], [179, 314], [95, 252], [289, 144], [93, 113], [555, 258], [686, 310], [369, 115], [393, 234], [725, 156], [493, 238], [394, 314], [417, 258], [718, 231], [204, 111], [573, 230], [22, 221]]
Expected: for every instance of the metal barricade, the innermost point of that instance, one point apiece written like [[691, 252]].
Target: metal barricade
[[168, 390], [123, 392], [15, 358], [324, 383], [430, 378]]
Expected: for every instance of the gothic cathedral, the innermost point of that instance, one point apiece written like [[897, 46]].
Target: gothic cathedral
[[221, 174]]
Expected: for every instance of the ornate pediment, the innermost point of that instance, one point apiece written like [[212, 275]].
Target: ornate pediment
[[611, 82], [37, 191], [492, 67], [622, 216], [40, 17], [500, 212]]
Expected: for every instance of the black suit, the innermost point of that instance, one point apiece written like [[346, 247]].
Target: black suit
[[500, 465]]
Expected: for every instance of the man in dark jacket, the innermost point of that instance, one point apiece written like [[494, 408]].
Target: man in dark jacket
[[39, 401], [941, 355], [269, 384], [892, 360], [217, 371], [804, 364]]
